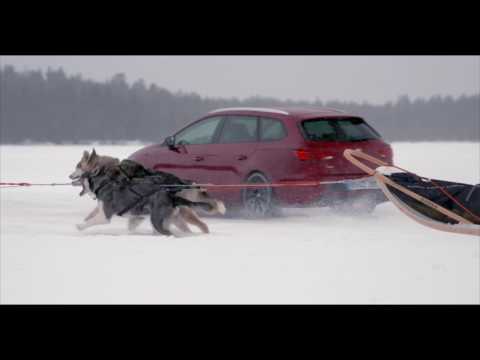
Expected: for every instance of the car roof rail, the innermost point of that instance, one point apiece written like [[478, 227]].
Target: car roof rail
[[335, 109], [250, 109]]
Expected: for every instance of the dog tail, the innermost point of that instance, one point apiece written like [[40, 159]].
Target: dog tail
[[178, 201]]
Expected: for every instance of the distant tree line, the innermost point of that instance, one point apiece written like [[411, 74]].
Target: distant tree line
[[54, 107]]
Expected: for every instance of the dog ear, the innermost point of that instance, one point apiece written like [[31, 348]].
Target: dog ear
[[93, 156], [85, 155]]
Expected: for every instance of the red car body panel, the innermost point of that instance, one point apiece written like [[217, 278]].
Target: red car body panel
[[231, 163]]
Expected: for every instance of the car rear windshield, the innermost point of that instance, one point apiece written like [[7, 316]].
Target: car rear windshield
[[338, 129]]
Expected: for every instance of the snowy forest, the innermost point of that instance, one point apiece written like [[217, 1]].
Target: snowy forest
[[51, 106]]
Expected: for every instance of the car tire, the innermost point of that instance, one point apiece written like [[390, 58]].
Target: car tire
[[258, 203]]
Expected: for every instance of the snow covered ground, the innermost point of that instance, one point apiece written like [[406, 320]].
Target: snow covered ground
[[309, 256]]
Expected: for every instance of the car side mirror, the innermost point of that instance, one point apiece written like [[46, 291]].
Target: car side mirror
[[170, 142]]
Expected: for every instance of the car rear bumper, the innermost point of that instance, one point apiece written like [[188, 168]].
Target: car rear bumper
[[324, 194]]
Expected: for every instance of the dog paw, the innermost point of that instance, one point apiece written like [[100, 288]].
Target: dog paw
[[221, 208]]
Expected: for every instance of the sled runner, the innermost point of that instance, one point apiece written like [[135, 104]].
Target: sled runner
[[441, 205]]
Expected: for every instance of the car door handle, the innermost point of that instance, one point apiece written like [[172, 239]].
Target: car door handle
[[242, 157], [198, 158]]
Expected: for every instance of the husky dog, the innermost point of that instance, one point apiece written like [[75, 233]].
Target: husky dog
[[87, 163], [107, 180]]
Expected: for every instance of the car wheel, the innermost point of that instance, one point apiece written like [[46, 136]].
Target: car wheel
[[258, 202]]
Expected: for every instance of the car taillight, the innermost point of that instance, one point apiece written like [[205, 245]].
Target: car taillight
[[303, 154], [389, 153]]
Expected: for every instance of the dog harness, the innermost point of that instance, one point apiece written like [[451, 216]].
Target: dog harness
[[128, 186]]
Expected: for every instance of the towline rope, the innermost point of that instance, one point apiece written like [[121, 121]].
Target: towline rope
[[207, 185], [15, 184]]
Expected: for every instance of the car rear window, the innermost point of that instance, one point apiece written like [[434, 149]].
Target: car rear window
[[344, 129], [320, 130]]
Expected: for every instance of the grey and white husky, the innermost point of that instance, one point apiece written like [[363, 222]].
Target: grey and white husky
[[165, 209]]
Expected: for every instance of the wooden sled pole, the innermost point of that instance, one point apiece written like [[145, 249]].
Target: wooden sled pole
[[465, 227]]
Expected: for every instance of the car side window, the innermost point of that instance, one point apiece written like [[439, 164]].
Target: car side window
[[238, 129], [271, 129], [199, 133]]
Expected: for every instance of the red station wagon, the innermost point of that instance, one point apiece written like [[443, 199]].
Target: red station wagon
[[258, 145]]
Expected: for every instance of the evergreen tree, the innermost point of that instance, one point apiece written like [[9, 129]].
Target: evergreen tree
[[54, 107]]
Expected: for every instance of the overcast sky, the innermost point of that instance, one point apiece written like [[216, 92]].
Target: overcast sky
[[375, 79]]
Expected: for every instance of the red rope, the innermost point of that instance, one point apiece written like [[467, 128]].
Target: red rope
[[442, 189], [454, 200], [13, 184], [212, 186], [268, 185]]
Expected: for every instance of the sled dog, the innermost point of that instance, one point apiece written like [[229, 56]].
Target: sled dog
[[125, 188]]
